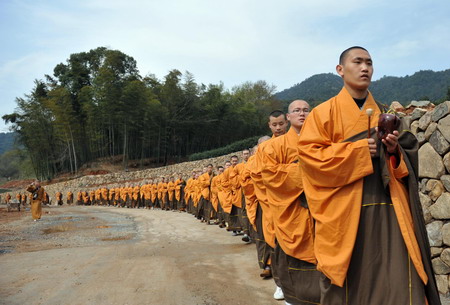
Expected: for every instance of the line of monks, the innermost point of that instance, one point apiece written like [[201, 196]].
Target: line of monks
[[332, 206]]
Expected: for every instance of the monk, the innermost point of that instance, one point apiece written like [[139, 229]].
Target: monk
[[69, 198], [59, 200], [188, 193], [233, 223], [293, 258], [104, 196], [98, 196], [265, 237], [79, 198], [205, 207], [38, 196], [236, 180], [171, 193], [214, 195], [370, 238], [180, 185], [7, 198], [221, 196], [154, 190], [24, 199]]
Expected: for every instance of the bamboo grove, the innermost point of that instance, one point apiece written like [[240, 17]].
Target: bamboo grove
[[97, 105]]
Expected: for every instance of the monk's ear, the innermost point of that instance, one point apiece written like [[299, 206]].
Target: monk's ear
[[340, 70]]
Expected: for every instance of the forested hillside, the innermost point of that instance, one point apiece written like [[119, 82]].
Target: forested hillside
[[97, 105], [6, 141], [429, 85]]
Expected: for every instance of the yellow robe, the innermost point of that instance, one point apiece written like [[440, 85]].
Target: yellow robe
[[334, 169], [282, 177]]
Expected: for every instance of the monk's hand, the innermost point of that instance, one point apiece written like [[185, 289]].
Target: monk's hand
[[372, 147], [391, 142]]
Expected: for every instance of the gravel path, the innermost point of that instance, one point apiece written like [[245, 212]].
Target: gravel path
[[105, 255]]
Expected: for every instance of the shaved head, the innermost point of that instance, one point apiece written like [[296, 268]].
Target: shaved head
[[344, 54]]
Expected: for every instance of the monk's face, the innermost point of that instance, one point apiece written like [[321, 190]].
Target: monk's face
[[210, 169], [298, 111], [245, 154], [227, 165], [278, 125], [356, 69], [234, 161], [221, 170]]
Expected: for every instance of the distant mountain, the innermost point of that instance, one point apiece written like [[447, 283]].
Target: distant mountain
[[6, 141], [422, 85]]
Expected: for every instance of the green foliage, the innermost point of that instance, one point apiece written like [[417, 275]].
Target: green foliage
[[6, 141], [96, 105], [421, 85], [15, 164], [233, 147]]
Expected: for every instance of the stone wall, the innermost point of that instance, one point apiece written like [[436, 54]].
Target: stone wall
[[432, 129]]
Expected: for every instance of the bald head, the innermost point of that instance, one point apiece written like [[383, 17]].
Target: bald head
[[297, 112]]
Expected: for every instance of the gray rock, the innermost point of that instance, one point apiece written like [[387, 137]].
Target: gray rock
[[434, 231], [446, 162], [421, 137], [446, 234], [417, 113], [425, 201], [430, 129], [407, 121], [419, 104], [440, 111], [442, 283], [430, 184], [430, 162], [435, 251], [439, 266], [425, 120], [444, 127], [439, 143], [445, 179], [445, 256], [414, 127], [441, 209]]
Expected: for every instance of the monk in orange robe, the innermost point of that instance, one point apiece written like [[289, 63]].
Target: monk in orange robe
[[370, 238], [293, 258], [98, 196], [171, 193], [231, 217], [79, 198], [24, 199], [196, 193], [7, 198], [220, 195], [59, 200], [205, 208], [104, 196], [188, 193], [38, 195], [248, 188], [19, 198], [69, 198], [154, 190], [235, 178], [265, 231], [214, 198], [180, 185], [135, 196]]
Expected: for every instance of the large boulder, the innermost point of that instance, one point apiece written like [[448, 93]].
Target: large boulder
[[444, 127], [430, 162], [420, 104], [439, 266], [417, 113], [442, 284], [441, 209], [434, 231], [438, 142], [440, 111], [430, 129], [425, 120], [414, 127]]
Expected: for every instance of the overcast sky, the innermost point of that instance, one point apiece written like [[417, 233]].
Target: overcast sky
[[233, 41]]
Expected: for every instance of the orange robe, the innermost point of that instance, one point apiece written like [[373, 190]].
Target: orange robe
[[171, 190], [154, 190], [235, 183], [36, 203], [334, 169], [248, 188], [204, 183], [282, 177], [178, 184], [260, 192], [226, 200], [188, 190], [214, 191]]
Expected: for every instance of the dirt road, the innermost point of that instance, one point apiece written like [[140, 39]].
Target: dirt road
[[101, 255]]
